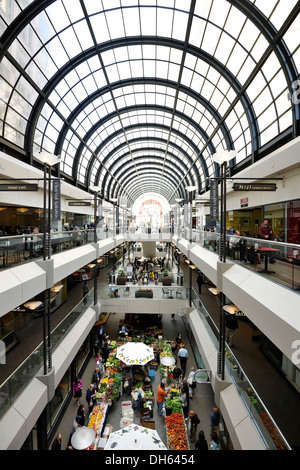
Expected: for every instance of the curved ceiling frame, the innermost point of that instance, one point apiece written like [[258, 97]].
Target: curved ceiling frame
[[111, 185], [193, 178], [134, 41], [275, 40], [160, 140], [144, 175]]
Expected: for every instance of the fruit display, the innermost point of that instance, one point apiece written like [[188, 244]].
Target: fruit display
[[96, 417], [176, 432]]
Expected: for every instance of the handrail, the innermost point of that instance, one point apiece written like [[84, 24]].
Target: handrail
[[13, 386], [235, 370]]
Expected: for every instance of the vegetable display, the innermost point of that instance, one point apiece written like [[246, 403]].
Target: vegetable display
[[176, 432]]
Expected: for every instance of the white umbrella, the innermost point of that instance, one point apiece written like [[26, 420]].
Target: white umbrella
[[82, 438], [134, 437], [135, 353]]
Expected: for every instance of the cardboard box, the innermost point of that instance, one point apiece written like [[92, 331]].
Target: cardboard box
[[107, 431]]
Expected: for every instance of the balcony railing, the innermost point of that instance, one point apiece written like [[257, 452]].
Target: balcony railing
[[263, 421], [12, 388], [251, 253]]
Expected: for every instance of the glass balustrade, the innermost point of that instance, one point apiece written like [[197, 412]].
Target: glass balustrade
[[15, 384], [263, 421]]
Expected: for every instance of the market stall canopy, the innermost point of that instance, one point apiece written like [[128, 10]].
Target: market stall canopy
[[134, 437], [82, 438], [135, 353]]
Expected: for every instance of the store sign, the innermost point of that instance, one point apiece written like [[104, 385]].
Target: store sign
[[244, 202], [18, 187], [79, 203], [202, 376], [254, 187]]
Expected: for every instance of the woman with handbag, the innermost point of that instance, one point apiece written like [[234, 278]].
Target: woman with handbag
[[192, 382], [77, 389]]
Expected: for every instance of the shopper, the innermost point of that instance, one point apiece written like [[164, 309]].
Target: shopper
[[266, 233], [161, 393], [85, 291], [184, 402], [56, 445], [192, 382], [96, 378], [193, 423], [200, 282], [214, 443], [91, 397], [215, 420], [77, 389], [81, 413], [77, 423], [201, 443], [183, 357]]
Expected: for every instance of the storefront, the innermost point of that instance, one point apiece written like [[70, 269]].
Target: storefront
[[283, 217]]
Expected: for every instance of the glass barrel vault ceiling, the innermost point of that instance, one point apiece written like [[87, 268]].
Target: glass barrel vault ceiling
[[136, 96]]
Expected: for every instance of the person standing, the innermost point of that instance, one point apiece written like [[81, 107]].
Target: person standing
[[194, 421], [161, 393], [81, 414], [200, 282], [183, 357], [91, 397], [215, 421], [77, 389], [201, 443], [184, 403], [57, 442], [266, 233], [214, 443]]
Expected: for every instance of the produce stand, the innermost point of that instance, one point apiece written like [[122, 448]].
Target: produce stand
[[97, 421], [176, 432]]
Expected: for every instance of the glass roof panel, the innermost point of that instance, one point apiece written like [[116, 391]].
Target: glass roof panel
[[230, 91]]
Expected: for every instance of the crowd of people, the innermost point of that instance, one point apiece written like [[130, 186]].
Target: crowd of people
[[101, 352], [186, 387]]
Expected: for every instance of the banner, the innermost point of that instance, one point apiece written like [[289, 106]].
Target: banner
[[214, 200], [56, 204]]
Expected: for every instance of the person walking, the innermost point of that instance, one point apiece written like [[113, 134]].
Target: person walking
[[183, 357], [85, 291], [160, 395], [193, 422], [77, 389], [215, 421], [192, 382], [200, 282], [201, 443]]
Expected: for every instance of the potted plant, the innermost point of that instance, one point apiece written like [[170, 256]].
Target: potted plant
[[121, 279], [166, 278]]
